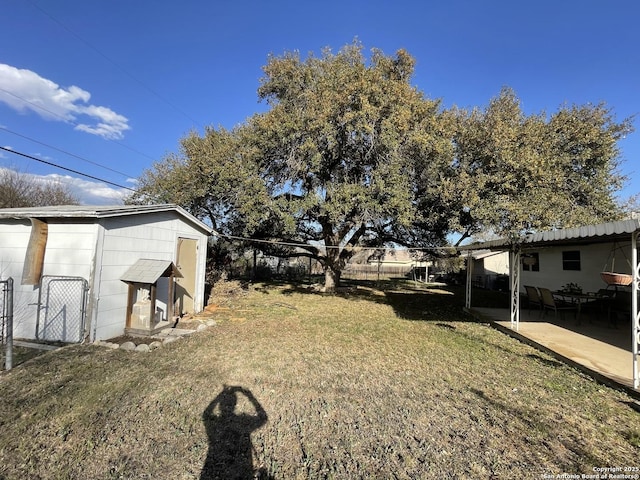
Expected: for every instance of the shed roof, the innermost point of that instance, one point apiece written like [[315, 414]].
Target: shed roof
[[98, 211], [147, 270], [603, 232]]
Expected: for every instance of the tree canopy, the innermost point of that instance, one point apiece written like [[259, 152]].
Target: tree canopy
[[522, 173], [351, 154]]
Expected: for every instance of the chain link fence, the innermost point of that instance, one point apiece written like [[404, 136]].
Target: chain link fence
[[62, 305]]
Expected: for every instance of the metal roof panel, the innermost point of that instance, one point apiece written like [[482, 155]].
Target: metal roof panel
[[599, 232], [98, 211]]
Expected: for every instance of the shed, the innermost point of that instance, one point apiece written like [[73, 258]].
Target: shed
[[573, 255], [68, 261]]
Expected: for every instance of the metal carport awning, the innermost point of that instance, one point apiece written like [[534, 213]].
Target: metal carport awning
[[601, 233]]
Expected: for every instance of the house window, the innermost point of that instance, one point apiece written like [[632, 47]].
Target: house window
[[531, 262], [571, 260]]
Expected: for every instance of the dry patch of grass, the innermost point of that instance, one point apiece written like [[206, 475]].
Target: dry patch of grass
[[20, 354], [374, 383]]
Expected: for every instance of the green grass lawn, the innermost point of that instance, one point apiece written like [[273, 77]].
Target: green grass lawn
[[387, 381]]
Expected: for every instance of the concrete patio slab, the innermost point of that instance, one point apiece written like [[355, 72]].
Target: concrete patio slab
[[596, 348]]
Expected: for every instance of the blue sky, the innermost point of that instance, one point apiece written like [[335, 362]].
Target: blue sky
[[118, 82]]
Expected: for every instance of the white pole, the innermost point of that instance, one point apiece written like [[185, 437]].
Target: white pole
[[468, 285], [635, 315], [8, 359], [514, 271]]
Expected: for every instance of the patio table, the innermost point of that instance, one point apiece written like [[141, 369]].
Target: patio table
[[578, 298]]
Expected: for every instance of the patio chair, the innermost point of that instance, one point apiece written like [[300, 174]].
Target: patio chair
[[549, 302], [601, 304], [619, 304], [533, 297]]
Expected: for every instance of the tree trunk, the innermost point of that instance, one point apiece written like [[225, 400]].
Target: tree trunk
[[331, 279]]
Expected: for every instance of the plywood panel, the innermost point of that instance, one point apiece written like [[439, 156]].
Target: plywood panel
[[34, 257]]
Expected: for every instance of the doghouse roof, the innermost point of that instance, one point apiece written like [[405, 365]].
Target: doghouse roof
[[149, 271]]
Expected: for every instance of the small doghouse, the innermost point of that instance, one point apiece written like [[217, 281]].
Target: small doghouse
[[144, 316]]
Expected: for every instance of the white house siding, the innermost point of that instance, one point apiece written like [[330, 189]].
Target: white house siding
[[593, 260], [127, 239], [497, 264], [488, 267]]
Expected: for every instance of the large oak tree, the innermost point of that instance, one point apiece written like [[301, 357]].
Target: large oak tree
[[341, 147], [350, 154], [332, 164]]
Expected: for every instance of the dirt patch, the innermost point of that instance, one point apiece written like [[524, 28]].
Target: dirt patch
[[188, 322], [137, 339]]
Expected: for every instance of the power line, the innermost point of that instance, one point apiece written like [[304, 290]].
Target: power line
[[65, 152], [230, 237], [40, 107], [142, 84], [31, 157], [356, 248]]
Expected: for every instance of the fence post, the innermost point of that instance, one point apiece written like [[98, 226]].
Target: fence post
[[8, 357]]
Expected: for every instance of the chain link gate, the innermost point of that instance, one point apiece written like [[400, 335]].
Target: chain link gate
[[63, 301]]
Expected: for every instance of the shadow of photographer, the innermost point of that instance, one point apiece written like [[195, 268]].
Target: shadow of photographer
[[231, 451]]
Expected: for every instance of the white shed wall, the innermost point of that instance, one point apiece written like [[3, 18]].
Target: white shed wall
[[69, 249], [68, 253], [127, 239], [14, 239]]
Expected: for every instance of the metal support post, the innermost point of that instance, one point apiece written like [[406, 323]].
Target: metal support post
[[635, 314], [467, 299], [514, 290], [8, 357]]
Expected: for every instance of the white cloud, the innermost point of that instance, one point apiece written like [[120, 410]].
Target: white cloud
[[90, 192], [42, 156], [24, 90]]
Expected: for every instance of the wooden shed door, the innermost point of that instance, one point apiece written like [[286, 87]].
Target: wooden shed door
[[186, 262]]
